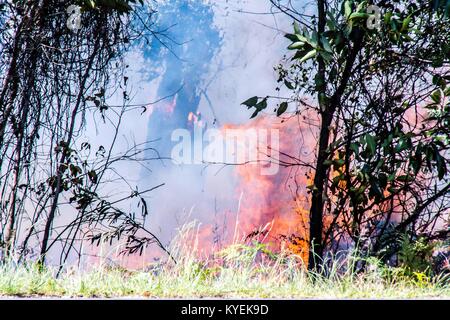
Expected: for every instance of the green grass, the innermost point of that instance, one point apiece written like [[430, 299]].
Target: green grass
[[281, 278], [238, 271]]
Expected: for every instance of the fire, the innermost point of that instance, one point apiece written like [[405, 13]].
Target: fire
[[272, 209], [280, 200], [194, 117], [168, 107]]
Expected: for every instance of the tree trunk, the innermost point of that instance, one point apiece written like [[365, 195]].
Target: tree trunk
[[316, 211]]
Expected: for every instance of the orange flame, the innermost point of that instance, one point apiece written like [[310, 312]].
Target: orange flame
[[280, 200]]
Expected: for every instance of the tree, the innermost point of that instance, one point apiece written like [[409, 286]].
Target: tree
[[55, 71], [373, 68]]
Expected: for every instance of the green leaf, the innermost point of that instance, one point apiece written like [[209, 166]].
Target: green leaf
[[347, 8], [296, 28], [292, 37], [123, 6], [358, 15], [436, 96], [314, 40], [295, 37], [326, 56], [262, 104], [323, 100], [93, 176], [338, 179], [439, 81], [361, 6], [319, 80], [326, 45], [416, 160], [255, 114], [441, 166], [296, 45], [371, 144], [250, 102], [447, 92], [338, 163], [354, 147], [90, 3], [309, 55], [289, 85], [402, 145], [282, 109], [387, 17], [405, 24]]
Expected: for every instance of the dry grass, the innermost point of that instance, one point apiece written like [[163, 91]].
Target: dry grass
[[239, 271]]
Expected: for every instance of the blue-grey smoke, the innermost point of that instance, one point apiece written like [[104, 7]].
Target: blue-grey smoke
[[180, 57], [184, 50]]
